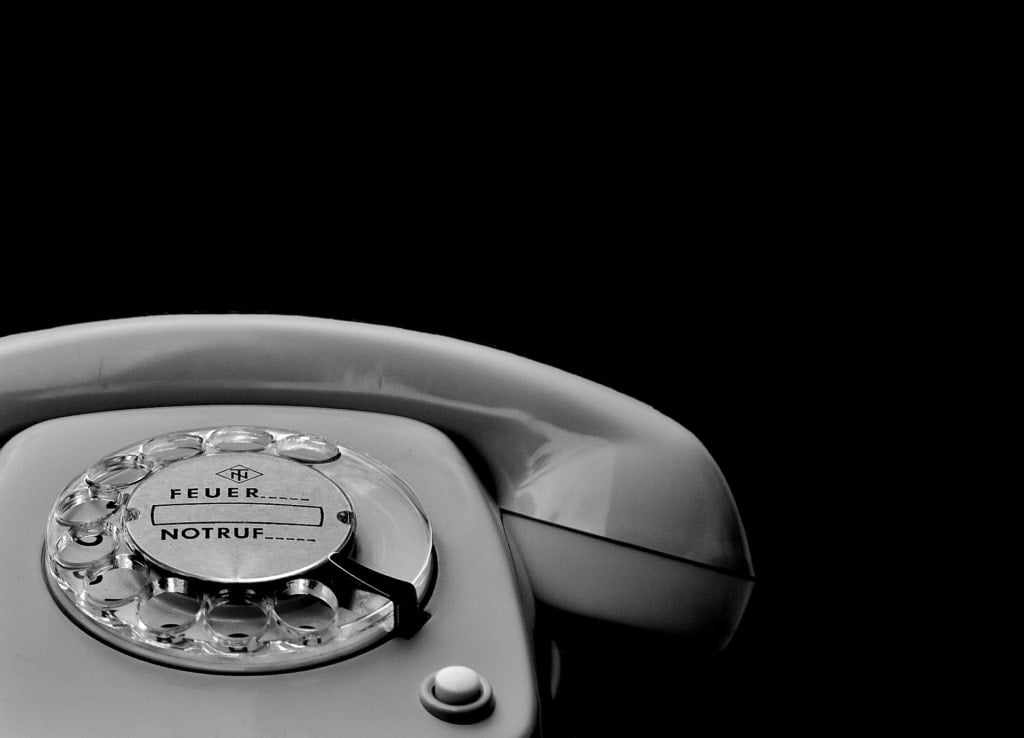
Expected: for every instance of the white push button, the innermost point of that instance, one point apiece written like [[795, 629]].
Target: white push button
[[457, 694], [457, 685]]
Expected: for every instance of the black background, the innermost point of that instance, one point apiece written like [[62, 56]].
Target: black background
[[689, 213]]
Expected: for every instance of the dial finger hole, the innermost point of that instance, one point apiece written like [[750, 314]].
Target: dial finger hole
[[307, 449], [236, 620], [174, 447], [171, 606], [117, 471], [117, 584], [240, 438], [88, 507], [78, 549], [307, 610]]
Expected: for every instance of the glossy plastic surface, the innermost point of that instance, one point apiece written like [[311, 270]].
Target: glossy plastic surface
[[581, 574], [559, 449]]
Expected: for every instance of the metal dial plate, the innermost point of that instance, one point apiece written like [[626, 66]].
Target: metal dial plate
[[236, 519]]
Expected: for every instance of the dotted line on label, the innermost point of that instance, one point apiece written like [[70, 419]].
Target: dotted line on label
[[276, 497], [282, 538]]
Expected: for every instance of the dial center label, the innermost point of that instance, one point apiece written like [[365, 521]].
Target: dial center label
[[238, 517]]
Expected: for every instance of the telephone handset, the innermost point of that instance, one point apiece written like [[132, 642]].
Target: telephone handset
[[369, 511]]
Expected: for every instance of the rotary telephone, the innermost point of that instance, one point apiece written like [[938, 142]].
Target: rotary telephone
[[269, 525]]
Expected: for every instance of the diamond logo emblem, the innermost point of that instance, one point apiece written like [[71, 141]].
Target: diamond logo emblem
[[239, 473]]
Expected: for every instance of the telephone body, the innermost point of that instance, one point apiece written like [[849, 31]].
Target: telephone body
[[530, 485]]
